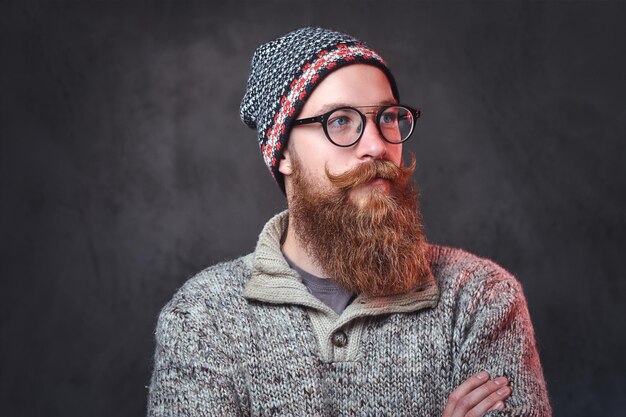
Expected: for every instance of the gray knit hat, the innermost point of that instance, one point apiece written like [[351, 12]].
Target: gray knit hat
[[284, 72]]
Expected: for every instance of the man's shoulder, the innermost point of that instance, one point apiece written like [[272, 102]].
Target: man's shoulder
[[221, 283], [204, 312], [457, 270]]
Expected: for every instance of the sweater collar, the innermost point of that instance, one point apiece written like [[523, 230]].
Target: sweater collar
[[273, 281]]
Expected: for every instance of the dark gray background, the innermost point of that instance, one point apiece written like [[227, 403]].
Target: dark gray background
[[124, 169]]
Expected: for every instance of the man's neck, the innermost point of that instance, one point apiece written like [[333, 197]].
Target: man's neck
[[292, 248]]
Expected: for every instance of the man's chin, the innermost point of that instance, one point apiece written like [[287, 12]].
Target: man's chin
[[375, 208], [364, 195]]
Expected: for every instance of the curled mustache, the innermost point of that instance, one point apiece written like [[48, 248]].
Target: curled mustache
[[368, 171]]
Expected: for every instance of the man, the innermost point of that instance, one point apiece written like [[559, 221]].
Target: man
[[343, 308]]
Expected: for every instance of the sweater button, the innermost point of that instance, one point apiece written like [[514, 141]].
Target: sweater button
[[339, 338]]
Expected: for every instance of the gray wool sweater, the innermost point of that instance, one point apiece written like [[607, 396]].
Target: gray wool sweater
[[245, 338]]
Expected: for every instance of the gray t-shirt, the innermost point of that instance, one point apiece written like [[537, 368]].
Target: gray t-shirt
[[325, 289]]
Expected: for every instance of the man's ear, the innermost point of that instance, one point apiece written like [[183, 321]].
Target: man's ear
[[284, 166]]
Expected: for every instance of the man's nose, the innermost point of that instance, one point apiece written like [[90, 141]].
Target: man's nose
[[371, 145]]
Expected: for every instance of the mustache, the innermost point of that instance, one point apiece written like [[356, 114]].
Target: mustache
[[368, 171]]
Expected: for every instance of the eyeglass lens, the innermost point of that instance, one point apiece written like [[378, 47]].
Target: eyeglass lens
[[344, 126]]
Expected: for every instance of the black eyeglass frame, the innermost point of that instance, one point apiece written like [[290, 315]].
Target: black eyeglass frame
[[323, 118]]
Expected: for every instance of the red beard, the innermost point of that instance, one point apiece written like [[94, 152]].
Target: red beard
[[375, 246]]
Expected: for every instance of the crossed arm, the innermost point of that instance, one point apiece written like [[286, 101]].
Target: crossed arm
[[492, 338], [493, 332], [473, 398]]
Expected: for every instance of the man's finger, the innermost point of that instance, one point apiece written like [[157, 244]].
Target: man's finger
[[497, 406], [465, 404], [462, 390], [492, 402], [478, 395]]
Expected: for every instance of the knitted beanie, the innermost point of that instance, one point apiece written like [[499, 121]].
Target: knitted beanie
[[284, 73]]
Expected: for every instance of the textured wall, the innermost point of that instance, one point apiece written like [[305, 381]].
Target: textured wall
[[124, 169]]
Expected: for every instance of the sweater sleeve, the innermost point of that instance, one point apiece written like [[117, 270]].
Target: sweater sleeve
[[494, 333], [191, 377]]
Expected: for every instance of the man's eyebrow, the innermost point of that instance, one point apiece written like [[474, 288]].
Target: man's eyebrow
[[331, 106]]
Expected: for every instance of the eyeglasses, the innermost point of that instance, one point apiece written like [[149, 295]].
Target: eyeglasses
[[344, 126]]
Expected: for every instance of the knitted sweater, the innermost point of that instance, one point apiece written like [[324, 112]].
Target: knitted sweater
[[245, 338]]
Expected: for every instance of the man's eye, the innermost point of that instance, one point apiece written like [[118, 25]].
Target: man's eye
[[338, 122], [388, 118]]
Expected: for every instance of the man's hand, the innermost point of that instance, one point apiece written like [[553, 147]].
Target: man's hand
[[477, 395]]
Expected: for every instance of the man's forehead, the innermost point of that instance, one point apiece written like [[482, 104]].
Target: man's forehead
[[323, 108]]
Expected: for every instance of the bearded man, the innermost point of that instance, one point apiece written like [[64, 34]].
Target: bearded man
[[343, 309]]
